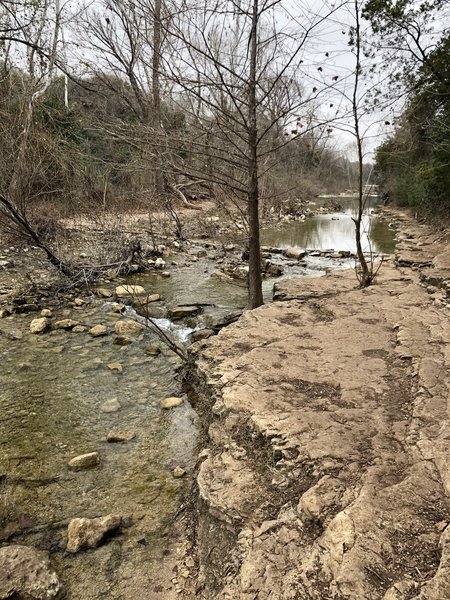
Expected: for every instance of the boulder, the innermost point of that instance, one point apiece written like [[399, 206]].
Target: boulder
[[25, 574], [293, 252], [65, 324], [171, 402], [46, 312], [120, 436], [98, 330], [125, 291], [89, 533], [84, 461], [39, 325], [78, 302], [165, 274], [128, 327]]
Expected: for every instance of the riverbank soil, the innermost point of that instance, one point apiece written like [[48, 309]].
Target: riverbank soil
[[327, 474]]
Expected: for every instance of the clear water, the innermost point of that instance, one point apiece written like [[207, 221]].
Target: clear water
[[52, 387]]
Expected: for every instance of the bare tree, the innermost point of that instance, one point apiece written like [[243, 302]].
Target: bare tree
[[233, 59]]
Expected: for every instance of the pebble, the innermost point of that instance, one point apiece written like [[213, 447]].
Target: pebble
[[98, 330], [178, 472], [39, 325], [171, 402], [115, 366], [84, 461], [120, 436], [110, 406]]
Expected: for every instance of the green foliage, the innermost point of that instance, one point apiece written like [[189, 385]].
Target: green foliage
[[413, 165]]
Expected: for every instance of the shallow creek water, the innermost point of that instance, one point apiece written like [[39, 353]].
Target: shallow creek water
[[52, 388]]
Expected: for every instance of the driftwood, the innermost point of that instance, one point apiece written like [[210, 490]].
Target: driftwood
[[81, 273]]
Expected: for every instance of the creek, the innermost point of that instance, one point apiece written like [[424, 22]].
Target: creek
[[52, 390]]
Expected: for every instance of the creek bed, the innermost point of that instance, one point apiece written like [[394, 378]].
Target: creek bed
[[52, 388]]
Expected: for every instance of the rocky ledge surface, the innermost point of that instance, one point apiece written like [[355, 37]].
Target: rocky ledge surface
[[326, 474]]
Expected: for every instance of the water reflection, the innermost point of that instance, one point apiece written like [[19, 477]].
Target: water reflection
[[333, 231]]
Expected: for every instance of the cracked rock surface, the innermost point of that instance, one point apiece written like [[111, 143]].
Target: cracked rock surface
[[327, 474]]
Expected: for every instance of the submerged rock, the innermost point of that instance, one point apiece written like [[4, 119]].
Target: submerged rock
[[171, 402], [152, 350], [84, 461], [89, 533], [128, 327], [178, 472], [39, 325], [120, 436], [66, 324], [110, 406], [25, 574], [115, 366], [98, 330]]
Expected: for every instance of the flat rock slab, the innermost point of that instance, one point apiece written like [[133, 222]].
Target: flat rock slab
[[25, 574], [329, 447]]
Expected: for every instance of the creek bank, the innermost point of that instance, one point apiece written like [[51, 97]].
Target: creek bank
[[326, 473]]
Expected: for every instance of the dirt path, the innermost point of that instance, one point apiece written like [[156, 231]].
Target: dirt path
[[327, 473]]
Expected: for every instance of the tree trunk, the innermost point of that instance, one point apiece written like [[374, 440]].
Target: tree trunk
[[365, 277], [255, 297], [156, 95]]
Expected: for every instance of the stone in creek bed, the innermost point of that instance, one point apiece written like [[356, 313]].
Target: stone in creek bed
[[79, 329], [88, 533], [178, 472], [46, 312], [120, 436], [179, 312], [66, 324], [121, 340], [98, 330], [127, 327], [295, 253], [103, 293], [84, 461], [25, 573], [153, 350], [115, 366], [171, 402], [125, 291], [110, 406], [39, 325]]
